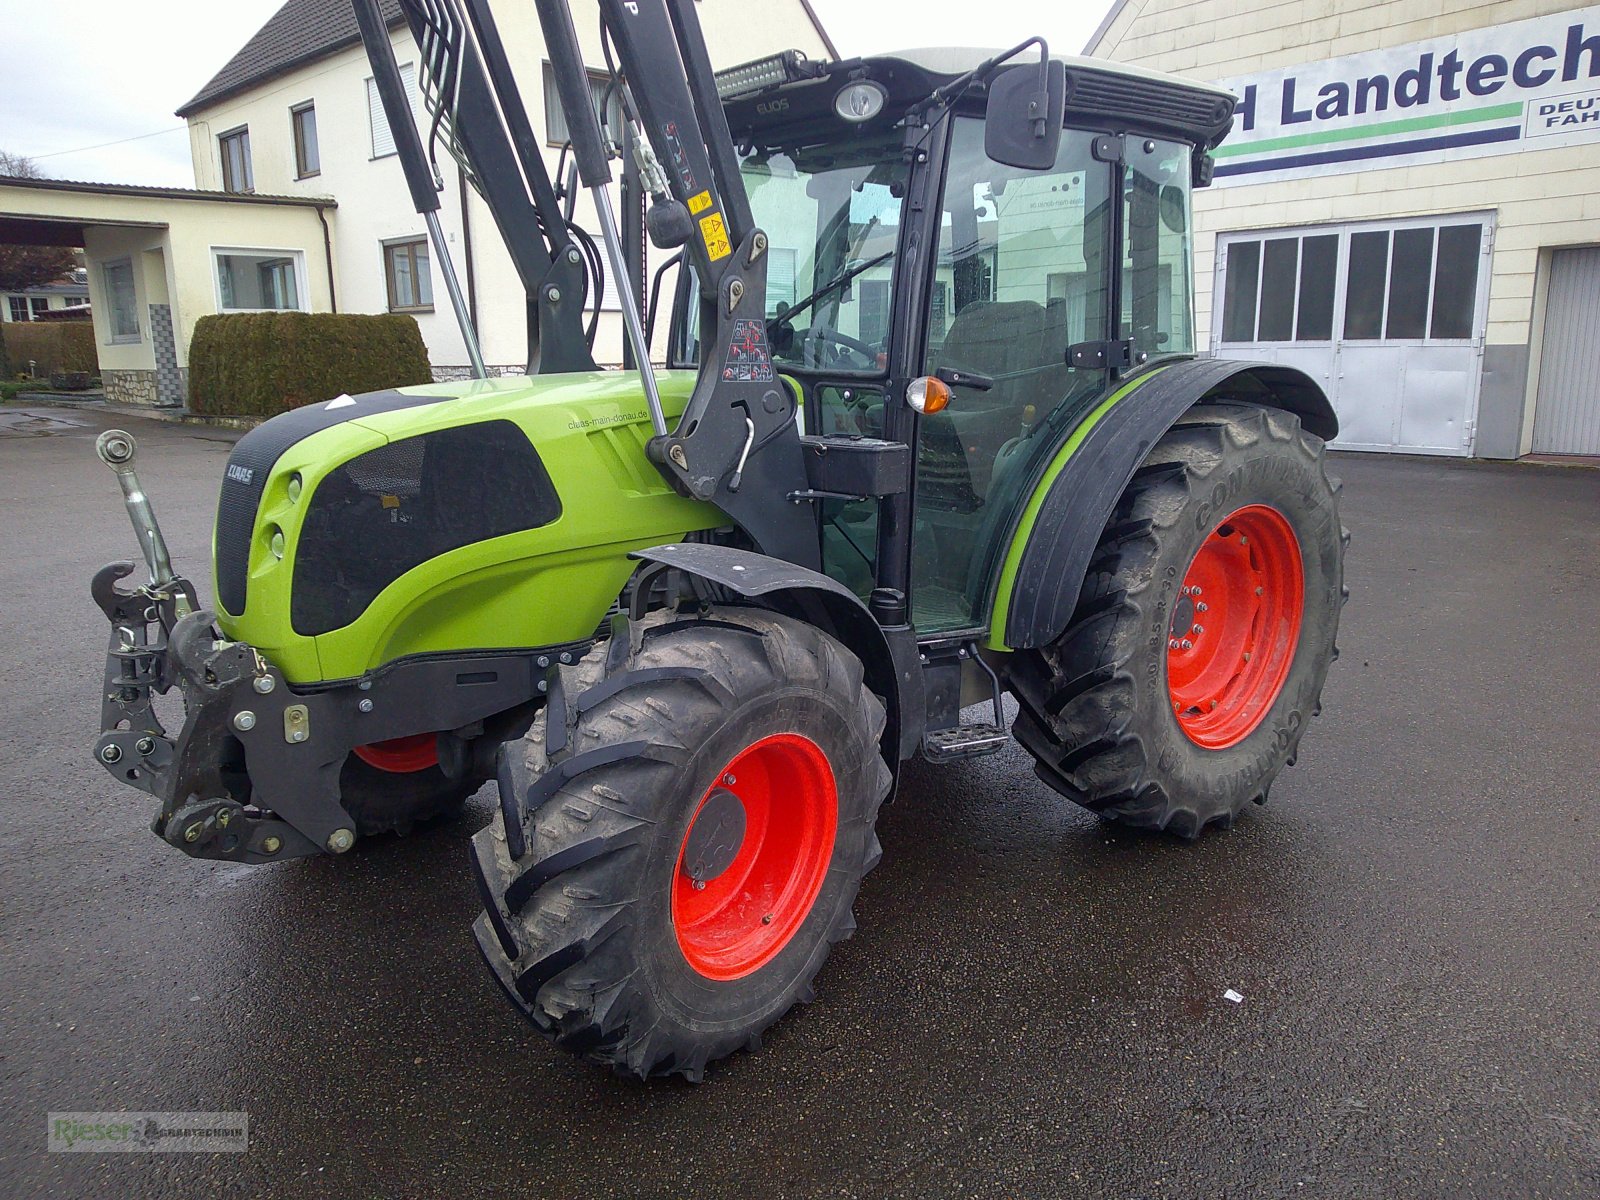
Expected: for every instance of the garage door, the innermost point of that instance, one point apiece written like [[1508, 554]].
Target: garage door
[[1387, 316], [1567, 419]]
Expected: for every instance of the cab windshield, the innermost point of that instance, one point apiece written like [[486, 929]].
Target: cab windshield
[[831, 214]]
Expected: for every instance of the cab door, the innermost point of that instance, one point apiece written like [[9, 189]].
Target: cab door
[[1023, 271]]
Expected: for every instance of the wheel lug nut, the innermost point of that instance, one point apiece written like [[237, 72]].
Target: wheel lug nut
[[1187, 644], [729, 780], [1198, 630], [1201, 607]]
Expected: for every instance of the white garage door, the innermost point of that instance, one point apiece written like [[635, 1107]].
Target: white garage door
[[1387, 316], [1567, 419]]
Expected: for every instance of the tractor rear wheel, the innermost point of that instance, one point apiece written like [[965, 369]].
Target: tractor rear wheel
[[1204, 631], [681, 836]]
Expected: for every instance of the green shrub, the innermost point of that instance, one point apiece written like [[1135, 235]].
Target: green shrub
[[52, 345], [262, 364]]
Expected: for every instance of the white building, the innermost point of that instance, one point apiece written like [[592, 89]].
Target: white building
[[1408, 208], [71, 291], [294, 113], [161, 258]]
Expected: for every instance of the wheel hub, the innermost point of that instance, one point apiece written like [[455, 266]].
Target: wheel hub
[[715, 838], [1235, 626]]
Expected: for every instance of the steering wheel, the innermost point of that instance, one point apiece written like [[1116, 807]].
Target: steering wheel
[[825, 347]]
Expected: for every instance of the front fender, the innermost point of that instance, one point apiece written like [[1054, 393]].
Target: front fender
[[816, 599], [1058, 529]]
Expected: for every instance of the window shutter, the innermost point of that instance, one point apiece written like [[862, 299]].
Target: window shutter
[[382, 135]]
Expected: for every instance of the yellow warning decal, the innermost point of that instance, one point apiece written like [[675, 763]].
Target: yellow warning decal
[[698, 204], [715, 234]]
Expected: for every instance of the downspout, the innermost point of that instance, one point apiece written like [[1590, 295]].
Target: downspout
[[466, 247], [327, 257]]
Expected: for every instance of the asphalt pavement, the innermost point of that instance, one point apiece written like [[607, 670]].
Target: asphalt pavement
[[1033, 1005]]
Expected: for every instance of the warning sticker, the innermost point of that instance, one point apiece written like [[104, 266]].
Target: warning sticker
[[698, 204], [748, 359], [715, 234]]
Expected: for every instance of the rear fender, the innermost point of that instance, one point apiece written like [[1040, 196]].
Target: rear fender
[[811, 597], [1060, 526]]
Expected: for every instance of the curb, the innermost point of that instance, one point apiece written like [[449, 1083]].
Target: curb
[[175, 416]]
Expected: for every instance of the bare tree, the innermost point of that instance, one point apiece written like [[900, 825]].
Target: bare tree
[[19, 167], [23, 267]]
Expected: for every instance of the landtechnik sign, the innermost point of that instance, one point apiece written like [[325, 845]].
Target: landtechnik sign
[[1527, 85]]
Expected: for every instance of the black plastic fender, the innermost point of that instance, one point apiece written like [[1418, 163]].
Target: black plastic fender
[[818, 600], [1084, 494]]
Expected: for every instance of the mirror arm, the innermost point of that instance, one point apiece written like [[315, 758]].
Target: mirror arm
[[980, 74]]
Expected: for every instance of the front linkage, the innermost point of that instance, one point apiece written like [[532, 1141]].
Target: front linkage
[[253, 775]]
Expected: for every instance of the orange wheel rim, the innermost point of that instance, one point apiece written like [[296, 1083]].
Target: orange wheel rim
[[737, 922], [402, 755], [1235, 626]]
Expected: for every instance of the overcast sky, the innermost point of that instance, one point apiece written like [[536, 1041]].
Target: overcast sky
[[81, 74]]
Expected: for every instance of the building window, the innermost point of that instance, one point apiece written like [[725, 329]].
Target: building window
[[237, 175], [406, 266], [1402, 283], [40, 306], [120, 297], [382, 136], [555, 119], [307, 157], [77, 301], [258, 280], [19, 308]]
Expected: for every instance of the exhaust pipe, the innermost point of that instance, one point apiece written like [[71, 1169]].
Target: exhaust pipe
[[118, 450]]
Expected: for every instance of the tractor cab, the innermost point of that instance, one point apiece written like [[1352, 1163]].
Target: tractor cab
[[902, 248]]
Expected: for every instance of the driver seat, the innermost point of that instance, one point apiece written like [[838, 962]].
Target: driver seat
[[1021, 345]]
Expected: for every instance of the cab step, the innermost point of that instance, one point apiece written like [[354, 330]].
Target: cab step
[[963, 741]]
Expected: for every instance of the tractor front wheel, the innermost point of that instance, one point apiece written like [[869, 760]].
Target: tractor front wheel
[[390, 787], [1204, 630], [681, 836]]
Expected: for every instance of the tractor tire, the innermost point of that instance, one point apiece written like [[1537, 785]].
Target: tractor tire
[[1197, 653], [681, 836], [390, 787]]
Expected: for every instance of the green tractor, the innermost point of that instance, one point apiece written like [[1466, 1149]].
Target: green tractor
[[932, 429]]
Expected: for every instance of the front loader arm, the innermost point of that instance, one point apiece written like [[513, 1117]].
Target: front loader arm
[[737, 444]]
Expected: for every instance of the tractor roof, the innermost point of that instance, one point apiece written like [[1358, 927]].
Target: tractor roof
[[777, 98]]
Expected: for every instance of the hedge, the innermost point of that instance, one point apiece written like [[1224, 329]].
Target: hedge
[[262, 364], [52, 345]]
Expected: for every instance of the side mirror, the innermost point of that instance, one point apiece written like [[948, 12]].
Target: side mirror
[[1174, 208], [1022, 125]]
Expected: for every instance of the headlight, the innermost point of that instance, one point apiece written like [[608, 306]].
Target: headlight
[[860, 101]]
